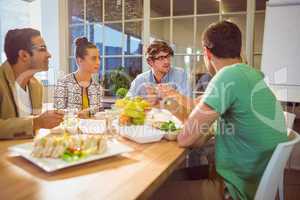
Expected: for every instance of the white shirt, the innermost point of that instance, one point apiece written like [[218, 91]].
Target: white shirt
[[23, 101]]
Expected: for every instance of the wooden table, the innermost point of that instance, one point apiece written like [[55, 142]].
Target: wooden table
[[134, 175]]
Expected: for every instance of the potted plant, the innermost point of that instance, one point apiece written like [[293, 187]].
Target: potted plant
[[115, 80], [121, 92]]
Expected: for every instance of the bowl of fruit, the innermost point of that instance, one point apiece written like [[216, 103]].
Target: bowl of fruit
[[132, 121]]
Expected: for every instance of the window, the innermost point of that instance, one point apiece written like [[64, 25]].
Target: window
[[182, 26], [258, 32], [117, 28]]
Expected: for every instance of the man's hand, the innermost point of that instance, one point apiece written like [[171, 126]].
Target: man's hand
[[172, 100], [151, 96], [48, 119], [166, 90]]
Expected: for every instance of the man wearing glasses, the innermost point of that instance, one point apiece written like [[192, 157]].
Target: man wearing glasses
[[159, 55], [20, 93]]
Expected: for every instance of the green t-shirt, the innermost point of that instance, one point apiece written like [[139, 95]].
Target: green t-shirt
[[250, 126]]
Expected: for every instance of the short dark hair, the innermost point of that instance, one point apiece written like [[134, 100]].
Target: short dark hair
[[16, 40], [156, 47], [223, 39], [82, 44]]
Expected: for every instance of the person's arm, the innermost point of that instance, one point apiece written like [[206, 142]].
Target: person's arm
[[99, 106], [24, 127], [151, 94], [197, 100], [60, 95], [100, 97], [16, 128], [48, 119], [196, 127], [132, 90], [179, 105], [219, 97]]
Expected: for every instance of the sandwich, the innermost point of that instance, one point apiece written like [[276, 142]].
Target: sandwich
[[68, 147]]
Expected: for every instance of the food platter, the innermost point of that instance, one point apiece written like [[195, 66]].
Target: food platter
[[147, 133], [53, 164]]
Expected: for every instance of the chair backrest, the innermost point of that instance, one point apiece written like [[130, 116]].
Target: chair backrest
[[289, 119], [274, 171]]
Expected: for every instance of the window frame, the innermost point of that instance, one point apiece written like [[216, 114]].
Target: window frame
[[146, 34]]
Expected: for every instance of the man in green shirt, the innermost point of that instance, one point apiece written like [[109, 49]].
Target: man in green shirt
[[250, 121]]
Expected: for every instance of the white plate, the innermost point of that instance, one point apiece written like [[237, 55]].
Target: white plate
[[140, 134], [51, 164]]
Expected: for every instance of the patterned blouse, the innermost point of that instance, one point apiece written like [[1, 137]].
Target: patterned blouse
[[68, 94]]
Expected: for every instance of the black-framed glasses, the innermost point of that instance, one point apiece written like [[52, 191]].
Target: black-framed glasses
[[42, 48], [161, 58]]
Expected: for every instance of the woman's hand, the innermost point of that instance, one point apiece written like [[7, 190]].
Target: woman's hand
[[84, 114]]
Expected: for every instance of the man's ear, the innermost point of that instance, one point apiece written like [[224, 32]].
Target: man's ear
[[79, 60], [208, 53], [23, 55], [150, 62]]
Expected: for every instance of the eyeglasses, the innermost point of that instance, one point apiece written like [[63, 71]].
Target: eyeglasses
[[42, 48], [161, 58]]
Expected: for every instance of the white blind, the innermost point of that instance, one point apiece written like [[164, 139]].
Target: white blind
[[281, 46]]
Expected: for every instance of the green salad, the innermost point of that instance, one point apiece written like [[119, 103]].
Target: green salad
[[168, 126], [73, 154]]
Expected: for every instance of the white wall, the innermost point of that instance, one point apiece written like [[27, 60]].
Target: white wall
[[17, 14], [50, 32], [35, 14]]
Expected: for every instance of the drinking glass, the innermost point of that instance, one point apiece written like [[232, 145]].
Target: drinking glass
[[71, 121]]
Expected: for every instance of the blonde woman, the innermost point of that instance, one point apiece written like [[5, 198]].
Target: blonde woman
[[78, 90]]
